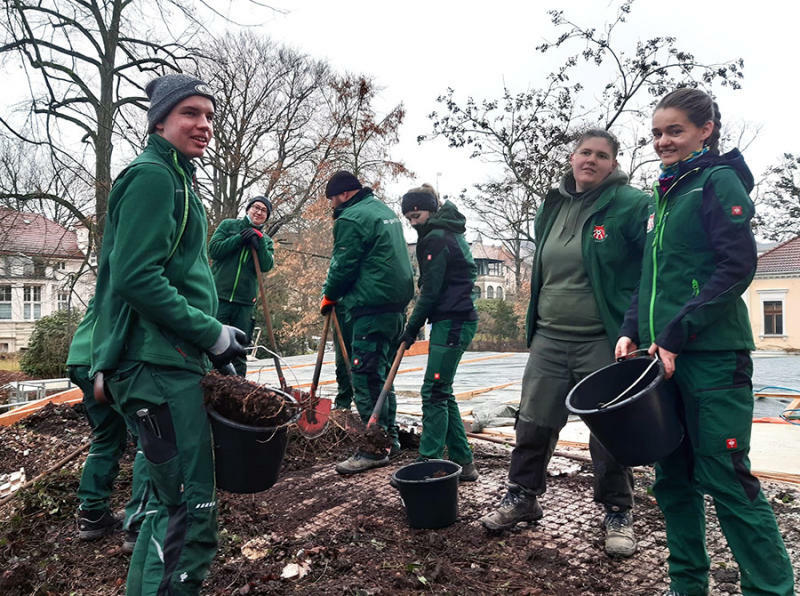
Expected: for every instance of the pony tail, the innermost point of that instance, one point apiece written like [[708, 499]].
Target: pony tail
[[713, 140]]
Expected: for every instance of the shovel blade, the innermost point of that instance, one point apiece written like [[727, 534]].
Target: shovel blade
[[314, 420]]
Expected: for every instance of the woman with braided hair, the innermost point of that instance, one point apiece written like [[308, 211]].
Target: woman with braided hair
[[699, 257]]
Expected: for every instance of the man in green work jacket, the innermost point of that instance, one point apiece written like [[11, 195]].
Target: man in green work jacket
[[370, 274], [234, 271], [155, 331]]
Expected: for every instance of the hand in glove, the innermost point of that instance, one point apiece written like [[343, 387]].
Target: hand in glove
[[409, 338], [251, 236], [229, 345], [326, 305]]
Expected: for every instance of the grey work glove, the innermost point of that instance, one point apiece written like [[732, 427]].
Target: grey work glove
[[230, 344]]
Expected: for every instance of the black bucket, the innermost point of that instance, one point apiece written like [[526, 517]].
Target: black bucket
[[642, 427], [247, 458], [429, 490]]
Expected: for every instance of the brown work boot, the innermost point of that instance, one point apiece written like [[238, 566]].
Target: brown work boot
[[468, 473], [620, 537], [516, 506]]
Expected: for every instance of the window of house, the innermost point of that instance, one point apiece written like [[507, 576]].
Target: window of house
[[494, 268], [483, 269], [61, 265], [5, 302], [773, 317], [499, 292], [39, 268], [489, 292], [32, 303], [477, 292], [63, 300]]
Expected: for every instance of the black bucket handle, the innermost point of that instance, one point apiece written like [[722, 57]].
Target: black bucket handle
[[655, 358]]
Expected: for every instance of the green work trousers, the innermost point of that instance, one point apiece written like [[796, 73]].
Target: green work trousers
[[554, 367], [178, 538], [716, 393], [344, 395], [441, 419], [241, 317], [375, 342], [109, 439]]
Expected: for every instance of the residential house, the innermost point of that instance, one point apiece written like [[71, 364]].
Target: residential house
[[42, 269], [496, 278], [773, 299]]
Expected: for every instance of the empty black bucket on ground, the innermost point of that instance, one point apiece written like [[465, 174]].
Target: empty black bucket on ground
[[429, 490], [247, 458], [642, 427]]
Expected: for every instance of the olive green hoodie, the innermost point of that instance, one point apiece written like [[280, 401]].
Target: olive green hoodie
[[155, 299]]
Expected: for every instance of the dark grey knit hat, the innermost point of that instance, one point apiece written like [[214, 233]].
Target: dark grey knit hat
[[263, 200], [340, 182], [168, 91], [423, 198]]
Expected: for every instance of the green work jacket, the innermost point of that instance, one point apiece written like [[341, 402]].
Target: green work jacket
[[699, 258], [80, 349], [612, 241], [155, 299], [232, 261], [370, 271]]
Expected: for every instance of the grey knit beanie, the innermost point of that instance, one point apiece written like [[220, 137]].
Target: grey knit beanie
[[168, 91]]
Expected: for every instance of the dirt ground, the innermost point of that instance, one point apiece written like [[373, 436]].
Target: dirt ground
[[316, 532]]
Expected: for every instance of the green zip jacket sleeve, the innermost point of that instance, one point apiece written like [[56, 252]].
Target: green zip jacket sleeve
[[80, 349]]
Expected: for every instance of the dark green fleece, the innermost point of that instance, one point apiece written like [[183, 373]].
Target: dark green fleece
[[234, 272], [447, 270]]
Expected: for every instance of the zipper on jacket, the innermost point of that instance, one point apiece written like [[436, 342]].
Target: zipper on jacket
[[242, 257], [658, 237], [695, 287]]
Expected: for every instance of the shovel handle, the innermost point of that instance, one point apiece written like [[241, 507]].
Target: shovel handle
[[268, 320], [387, 385], [320, 354], [340, 339]]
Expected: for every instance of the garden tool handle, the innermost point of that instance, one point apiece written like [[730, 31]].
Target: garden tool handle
[[340, 339], [387, 385], [320, 354], [268, 320]]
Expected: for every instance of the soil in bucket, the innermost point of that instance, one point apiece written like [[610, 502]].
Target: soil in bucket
[[630, 410], [429, 490], [248, 423]]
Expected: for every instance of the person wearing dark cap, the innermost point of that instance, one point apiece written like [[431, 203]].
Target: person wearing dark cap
[[155, 332], [235, 275], [447, 275], [370, 274]]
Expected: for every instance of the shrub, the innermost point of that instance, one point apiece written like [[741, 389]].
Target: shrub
[[46, 356]]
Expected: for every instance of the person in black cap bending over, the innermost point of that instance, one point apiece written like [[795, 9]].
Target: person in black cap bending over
[[234, 270]]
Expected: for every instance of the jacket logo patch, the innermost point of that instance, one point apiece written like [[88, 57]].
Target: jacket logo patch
[[436, 376], [430, 256], [651, 222], [355, 361], [599, 233], [731, 443], [736, 210]]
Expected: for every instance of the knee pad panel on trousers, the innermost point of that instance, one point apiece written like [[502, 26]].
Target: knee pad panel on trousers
[[750, 484], [438, 394]]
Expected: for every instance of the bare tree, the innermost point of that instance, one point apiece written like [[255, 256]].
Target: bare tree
[[778, 200]]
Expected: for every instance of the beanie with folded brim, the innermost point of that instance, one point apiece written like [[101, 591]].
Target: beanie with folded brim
[[168, 91], [422, 198], [341, 181], [260, 199]]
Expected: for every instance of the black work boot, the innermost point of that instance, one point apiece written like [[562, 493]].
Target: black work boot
[[96, 524], [516, 506]]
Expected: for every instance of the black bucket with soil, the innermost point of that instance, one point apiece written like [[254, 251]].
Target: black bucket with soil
[[628, 409], [429, 491]]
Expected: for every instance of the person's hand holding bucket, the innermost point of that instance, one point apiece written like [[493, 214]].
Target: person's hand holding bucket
[[667, 358]]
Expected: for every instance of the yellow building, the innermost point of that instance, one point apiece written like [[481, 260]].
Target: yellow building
[[773, 298]]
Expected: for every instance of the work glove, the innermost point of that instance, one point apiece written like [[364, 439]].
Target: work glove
[[409, 338], [230, 344], [326, 305], [251, 236]]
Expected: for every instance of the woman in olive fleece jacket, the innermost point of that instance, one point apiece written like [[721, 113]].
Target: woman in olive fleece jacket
[[589, 239], [447, 275]]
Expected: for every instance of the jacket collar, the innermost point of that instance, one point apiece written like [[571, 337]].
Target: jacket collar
[[356, 198], [166, 150]]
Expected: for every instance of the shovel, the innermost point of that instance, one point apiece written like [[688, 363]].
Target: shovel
[[373, 432], [268, 320], [316, 411]]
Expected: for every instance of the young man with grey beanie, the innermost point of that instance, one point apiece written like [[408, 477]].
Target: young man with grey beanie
[[156, 331]]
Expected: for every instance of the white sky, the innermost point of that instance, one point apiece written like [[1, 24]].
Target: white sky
[[416, 49]]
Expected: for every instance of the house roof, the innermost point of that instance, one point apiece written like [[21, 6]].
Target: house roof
[[36, 236], [488, 252], [781, 260]]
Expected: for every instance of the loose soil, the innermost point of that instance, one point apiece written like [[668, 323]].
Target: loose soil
[[348, 535], [243, 401]]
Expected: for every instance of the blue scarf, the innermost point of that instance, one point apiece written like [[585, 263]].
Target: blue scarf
[[670, 173]]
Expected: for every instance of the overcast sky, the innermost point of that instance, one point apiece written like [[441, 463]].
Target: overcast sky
[[416, 49]]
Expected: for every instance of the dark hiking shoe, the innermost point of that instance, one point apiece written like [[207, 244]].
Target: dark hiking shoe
[[96, 524], [468, 473], [130, 541], [361, 462], [515, 507], [620, 538]]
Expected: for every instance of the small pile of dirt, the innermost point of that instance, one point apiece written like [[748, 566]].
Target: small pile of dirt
[[54, 419], [245, 402]]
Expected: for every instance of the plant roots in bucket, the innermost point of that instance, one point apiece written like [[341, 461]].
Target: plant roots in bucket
[[642, 427], [429, 490], [247, 458]]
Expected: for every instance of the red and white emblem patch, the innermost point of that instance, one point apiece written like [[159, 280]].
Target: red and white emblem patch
[[355, 361], [731, 443], [599, 233], [430, 256], [436, 376], [651, 222], [737, 210]]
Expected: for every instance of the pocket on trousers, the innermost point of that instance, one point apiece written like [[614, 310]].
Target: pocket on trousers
[[157, 439], [725, 419]]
